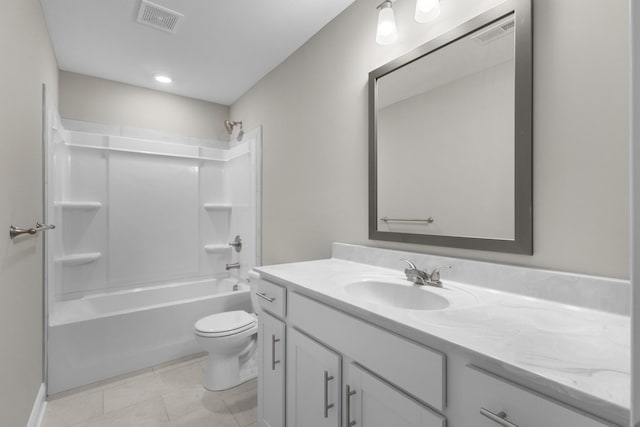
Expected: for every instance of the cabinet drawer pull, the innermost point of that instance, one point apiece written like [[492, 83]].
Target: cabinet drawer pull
[[349, 394], [327, 405], [499, 418], [265, 297], [274, 362]]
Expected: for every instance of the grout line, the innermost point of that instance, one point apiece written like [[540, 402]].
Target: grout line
[[164, 408], [231, 412]]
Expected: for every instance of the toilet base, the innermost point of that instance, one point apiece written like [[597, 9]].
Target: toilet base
[[223, 374]]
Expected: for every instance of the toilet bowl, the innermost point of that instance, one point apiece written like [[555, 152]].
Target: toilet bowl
[[230, 338]]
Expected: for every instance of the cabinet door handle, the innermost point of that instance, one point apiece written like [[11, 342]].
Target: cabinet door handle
[[499, 418], [349, 394], [274, 362], [327, 405], [265, 297]]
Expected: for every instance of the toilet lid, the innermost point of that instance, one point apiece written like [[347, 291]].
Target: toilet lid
[[228, 322]]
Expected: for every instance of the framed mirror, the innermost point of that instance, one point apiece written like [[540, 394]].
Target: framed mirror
[[450, 154]]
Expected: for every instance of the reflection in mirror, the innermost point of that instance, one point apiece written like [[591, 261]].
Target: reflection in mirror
[[450, 145], [448, 117]]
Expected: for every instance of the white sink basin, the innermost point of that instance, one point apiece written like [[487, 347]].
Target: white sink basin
[[407, 296]]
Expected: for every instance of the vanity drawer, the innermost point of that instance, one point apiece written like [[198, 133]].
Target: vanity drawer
[[487, 396], [416, 369], [272, 297]]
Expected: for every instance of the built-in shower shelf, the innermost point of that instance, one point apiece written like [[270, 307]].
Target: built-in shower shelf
[[213, 249], [81, 206], [171, 152], [217, 206], [78, 259]]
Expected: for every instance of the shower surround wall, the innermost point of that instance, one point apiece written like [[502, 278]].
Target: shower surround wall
[[136, 215]]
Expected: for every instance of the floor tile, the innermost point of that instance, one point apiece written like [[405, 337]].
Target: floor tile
[[205, 418], [150, 413], [123, 379], [184, 376], [166, 395], [180, 363], [185, 400], [73, 409], [131, 392], [100, 385], [240, 389], [243, 406], [53, 419]]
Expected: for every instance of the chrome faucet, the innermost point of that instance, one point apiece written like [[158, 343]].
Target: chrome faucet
[[421, 277], [234, 265]]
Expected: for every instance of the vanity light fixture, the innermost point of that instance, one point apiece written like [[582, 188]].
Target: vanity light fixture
[[160, 78], [387, 32], [427, 10]]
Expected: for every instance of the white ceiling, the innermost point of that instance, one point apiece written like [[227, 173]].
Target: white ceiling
[[221, 48]]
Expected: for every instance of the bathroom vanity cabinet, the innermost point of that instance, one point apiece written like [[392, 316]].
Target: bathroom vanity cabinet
[[323, 366], [359, 346], [327, 382]]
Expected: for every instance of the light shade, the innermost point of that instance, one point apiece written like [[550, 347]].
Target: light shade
[[427, 10], [387, 32], [162, 79]]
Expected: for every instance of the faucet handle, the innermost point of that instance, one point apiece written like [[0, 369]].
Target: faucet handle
[[435, 274], [412, 266]]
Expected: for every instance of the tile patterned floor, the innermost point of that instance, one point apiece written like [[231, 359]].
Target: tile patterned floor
[[167, 395]]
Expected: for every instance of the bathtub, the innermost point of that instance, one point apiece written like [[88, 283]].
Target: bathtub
[[102, 336]]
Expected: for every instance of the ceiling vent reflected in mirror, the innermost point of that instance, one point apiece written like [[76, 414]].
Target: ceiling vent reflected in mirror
[[159, 17], [494, 32]]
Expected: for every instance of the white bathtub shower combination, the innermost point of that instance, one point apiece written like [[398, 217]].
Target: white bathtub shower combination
[[140, 247]]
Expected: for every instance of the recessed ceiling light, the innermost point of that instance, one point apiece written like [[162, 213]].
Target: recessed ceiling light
[[162, 79]]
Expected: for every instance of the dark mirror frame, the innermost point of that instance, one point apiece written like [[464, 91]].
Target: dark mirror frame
[[523, 233]]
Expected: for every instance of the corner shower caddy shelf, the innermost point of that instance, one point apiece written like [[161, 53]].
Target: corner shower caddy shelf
[[78, 259], [145, 152], [213, 249], [217, 207], [83, 206]]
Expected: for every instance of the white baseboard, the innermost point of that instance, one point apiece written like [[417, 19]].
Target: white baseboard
[[37, 413]]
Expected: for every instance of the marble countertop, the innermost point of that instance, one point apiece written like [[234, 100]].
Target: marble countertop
[[582, 355]]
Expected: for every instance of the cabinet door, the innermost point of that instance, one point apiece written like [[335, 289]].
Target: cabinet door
[[313, 378], [271, 379], [369, 402]]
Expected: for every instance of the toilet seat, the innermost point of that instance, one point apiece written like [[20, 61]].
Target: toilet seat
[[225, 324]]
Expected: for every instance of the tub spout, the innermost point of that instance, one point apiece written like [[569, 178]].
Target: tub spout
[[234, 265]]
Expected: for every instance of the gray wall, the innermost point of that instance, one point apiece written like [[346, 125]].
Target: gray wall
[[27, 62], [314, 111], [92, 99]]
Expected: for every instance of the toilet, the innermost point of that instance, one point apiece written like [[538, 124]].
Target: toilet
[[230, 338]]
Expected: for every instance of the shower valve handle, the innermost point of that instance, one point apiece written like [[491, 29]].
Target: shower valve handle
[[237, 243]]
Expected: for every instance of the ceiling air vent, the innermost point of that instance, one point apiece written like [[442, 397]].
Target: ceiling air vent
[[159, 17], [494, 32]]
